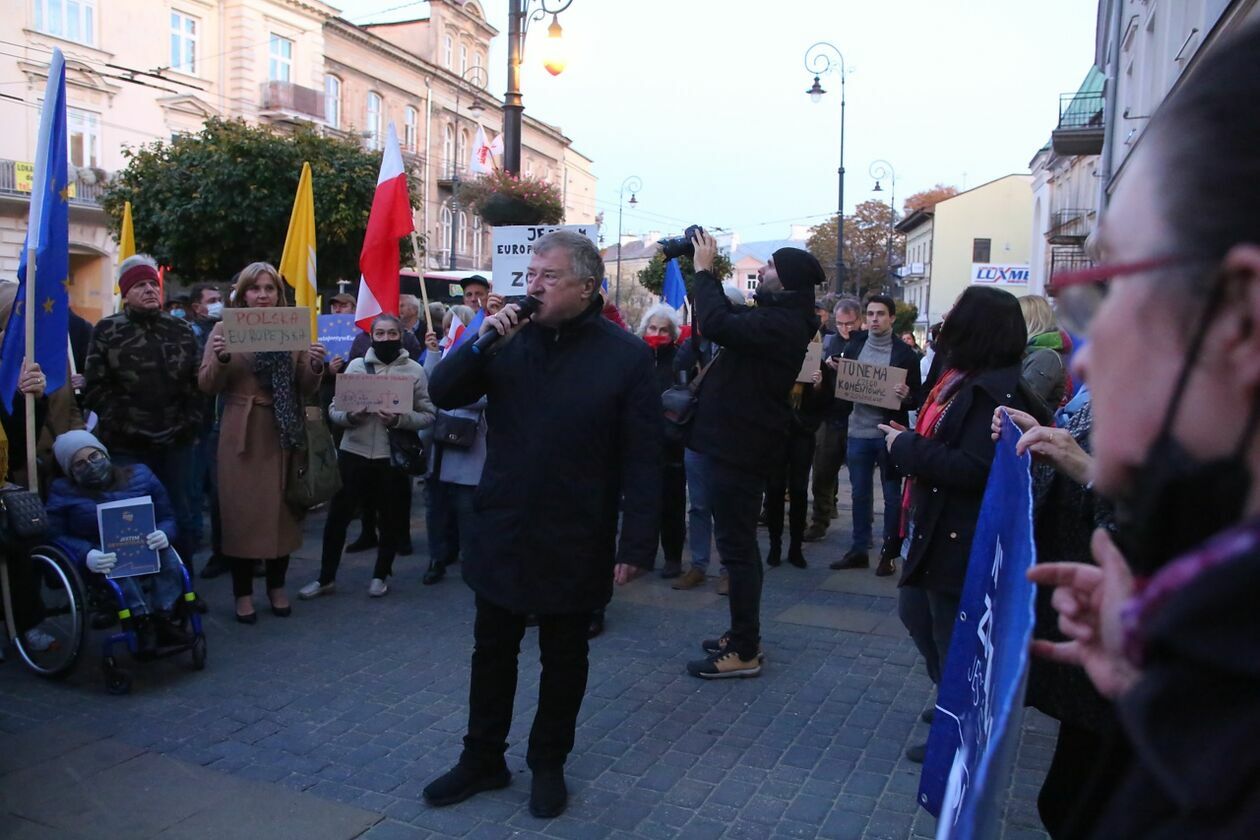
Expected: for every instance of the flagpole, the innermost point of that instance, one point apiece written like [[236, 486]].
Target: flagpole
[[32, 473], [424, 292]]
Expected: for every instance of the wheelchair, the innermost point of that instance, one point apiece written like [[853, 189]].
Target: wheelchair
[[118, 679], [52, 597]]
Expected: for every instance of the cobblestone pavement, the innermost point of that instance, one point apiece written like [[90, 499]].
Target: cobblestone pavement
[[329, 723]]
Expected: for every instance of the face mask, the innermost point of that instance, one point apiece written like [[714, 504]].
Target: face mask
[[177, 313], [93, 474], [214, 311], [387, 350], [656, 342]]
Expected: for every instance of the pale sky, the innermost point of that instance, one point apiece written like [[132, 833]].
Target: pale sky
[[704, 100]]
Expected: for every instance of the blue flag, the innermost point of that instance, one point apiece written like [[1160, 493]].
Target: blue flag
[[675, 290], [48, 232]]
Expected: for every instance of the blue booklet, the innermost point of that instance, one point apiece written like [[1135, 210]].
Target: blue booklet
[[124, 525], [337, 333]]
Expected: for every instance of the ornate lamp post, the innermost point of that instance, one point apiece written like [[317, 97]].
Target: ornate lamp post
[[476, 78], [879, 170], [634, 185], [519, 17], [819, 60]]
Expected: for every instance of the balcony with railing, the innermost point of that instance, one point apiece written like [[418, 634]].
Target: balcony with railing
[[1069, 227], [287, 102], [1066, 259], [1080, 128], [912, 271], [17, 179]]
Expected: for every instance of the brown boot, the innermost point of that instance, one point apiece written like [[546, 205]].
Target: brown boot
[[815, 532], [724, 584], [691, 579]]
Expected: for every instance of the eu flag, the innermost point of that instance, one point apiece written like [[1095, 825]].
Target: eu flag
[[675, 290], [48, 233]]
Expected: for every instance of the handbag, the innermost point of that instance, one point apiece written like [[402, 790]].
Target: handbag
[[680, 404], [452, 430], [314, 477], [22, 517], [406, 450]]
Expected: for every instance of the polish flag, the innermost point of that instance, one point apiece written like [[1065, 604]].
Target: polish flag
[[390, 219], [482, 162]]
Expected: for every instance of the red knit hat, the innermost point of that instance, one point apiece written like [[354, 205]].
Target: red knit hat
[[134, 275]]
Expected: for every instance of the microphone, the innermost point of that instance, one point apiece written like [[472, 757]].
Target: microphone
[[526, 309]]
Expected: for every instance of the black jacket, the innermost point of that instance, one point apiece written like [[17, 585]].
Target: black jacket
[[744, 414], [901, 356], [574, 418], [951, 470]]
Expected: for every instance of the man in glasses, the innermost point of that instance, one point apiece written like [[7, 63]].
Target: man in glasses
[[833, 434]]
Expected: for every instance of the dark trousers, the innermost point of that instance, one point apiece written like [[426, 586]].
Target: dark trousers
[[374, 481], [174, 465], [497, 635], [736, 500], [449, 514], [790, 476], [832, 445], [368, 511], [243, 573], [929, 616], [673, 510], [210, 449]]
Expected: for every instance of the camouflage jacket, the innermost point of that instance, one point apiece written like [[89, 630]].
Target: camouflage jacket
[[142, 381]]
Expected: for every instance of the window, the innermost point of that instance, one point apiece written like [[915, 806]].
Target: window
[[410, 128], [751, 281], [448, 52], [74, 20], [477, 59], [280, 59], [981, 250], [463, 59], [84, 130], [183, 43], [477, 245], [332, 101], [373, 120], [461, 230], [448, 148], [444, 229], [465, 149]]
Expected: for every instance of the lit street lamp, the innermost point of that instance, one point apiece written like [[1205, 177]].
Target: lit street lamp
[[879, 170], [476, 78], [819, 61], [519, 18], [634, 185]]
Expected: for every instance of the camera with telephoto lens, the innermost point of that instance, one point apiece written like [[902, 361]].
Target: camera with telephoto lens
[[680, 246]]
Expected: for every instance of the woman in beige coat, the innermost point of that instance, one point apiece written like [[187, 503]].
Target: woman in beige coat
[[262, 423]]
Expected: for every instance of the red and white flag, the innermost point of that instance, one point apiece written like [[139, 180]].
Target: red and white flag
[[482, 162], [390, 219]]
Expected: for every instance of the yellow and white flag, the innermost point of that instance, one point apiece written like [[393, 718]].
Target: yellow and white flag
[[297, 265]]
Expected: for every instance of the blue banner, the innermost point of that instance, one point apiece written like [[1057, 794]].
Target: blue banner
[[980, 703], [674, 291], [337, 333]]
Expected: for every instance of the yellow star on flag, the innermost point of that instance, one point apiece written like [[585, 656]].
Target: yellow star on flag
[[64, 192], [49, 303]]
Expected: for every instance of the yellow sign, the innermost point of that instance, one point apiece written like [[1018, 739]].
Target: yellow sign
[[24, 178]]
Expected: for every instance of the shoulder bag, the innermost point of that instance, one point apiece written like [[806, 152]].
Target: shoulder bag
[[680, 404], [314, 477], [406, 450]]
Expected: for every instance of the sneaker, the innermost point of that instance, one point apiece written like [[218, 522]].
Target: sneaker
[[548, 794], [691, 579], [815, 532], [724, 664], [916, 753], [314, 589], [377, 588], [854, 559], [724, 585], [465, 780], [719, 645], [38, 641]]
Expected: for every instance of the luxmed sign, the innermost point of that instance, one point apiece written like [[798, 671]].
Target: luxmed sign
[[985, 274]]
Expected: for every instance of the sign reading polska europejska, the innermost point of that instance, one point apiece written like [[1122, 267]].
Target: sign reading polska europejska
[[988, 274], [980, 704], [514, 245]]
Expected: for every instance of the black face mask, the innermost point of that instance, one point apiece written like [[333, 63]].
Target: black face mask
[[93, 474], [387, 350]]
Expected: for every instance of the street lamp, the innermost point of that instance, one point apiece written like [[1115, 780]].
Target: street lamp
[[634, 185], [476, 78], [879, 170], [818, 60], [519, 18]]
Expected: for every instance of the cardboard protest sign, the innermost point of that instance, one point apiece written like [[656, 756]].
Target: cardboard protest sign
[[812, 363], [370, 392], [869, 383], [257, 330], [513, 247], [337, 333]]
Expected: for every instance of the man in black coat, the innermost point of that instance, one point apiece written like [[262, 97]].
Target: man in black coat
[[741, 423], [574, 417]]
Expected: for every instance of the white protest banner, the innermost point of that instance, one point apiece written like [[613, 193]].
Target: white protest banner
[[513, 247], [812, 363], [869, 383], [260, 329], [371, 392]]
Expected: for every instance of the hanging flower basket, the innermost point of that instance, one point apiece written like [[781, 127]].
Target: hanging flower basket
[[504, 199]]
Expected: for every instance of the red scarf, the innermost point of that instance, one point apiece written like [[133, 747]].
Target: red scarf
[[930, 415]]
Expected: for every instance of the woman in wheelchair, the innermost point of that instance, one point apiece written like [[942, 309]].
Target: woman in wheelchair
[[94, 479]]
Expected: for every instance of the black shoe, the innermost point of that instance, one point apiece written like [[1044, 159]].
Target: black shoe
[[282, 612], [597, 625], [170, 633], [671, 570], [929, 714], [774, 557], [465, 780], [853, 560], [146, 636], [719, 645], [796, 557], [214, 567], [363, 543], [547, 793], [886, 567], [531, 620], [433, 574], [249, 618], [405, 548], [917, 753]]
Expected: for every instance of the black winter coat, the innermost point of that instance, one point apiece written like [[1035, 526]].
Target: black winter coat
[[574, 417], [666, 358], [744, 414], [901, 356], [951, 470]]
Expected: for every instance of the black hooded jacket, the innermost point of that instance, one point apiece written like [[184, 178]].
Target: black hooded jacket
[[744, 413]]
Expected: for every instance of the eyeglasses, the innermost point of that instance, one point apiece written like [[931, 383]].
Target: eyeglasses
[[95, 457], [1080, 294]]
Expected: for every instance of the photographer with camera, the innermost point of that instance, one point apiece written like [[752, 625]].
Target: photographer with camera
[[741, 423]]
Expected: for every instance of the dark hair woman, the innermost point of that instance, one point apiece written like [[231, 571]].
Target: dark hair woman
[[947, 459], [262, 424]]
